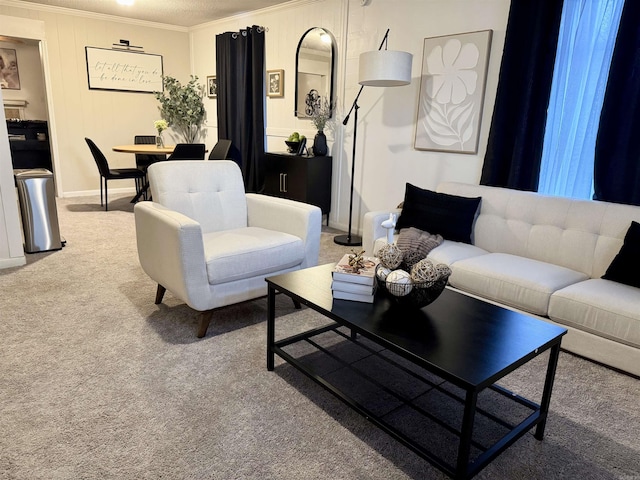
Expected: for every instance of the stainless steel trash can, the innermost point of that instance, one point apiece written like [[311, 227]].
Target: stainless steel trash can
[[38, 209]]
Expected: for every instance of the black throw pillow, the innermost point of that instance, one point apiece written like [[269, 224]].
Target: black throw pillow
[[625, 267], [438, 213]]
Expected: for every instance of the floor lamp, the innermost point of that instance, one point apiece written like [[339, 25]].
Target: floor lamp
[[378, 68]]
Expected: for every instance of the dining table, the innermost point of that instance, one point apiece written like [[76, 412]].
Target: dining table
[[145, 149]]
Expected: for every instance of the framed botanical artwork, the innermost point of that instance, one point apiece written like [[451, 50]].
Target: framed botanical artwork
[[212, 86], [275, 83], [9, 75], [454, 71]]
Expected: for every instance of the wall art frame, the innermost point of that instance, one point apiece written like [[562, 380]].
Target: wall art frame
[[452, 87], [9, 73], [275, 83], [121, 70], [212, 86]]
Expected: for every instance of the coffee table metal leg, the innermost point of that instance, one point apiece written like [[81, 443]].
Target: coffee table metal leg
[[466, 432], [546, 393], [271, 327]]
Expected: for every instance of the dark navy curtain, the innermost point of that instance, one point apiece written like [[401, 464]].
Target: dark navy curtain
[[240, 98], [617, 156], [516, 136]]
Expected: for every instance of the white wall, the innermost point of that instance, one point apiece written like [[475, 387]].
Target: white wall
[[386, 158], [108, 117], [31, 80], [11, 250]]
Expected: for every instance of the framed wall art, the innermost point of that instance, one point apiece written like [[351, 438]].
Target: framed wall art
[[454, 71], [122, 70], [212, 86], [275, 83], [9, 74]]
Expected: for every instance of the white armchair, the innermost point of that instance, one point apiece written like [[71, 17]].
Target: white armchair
[[211, 244]]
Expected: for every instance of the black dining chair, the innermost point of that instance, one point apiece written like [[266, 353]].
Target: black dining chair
[[188, 151], [143, 160], [220, 150], [107, 173]]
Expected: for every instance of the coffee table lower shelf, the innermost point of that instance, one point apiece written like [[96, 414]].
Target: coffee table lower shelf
[[414, 406]]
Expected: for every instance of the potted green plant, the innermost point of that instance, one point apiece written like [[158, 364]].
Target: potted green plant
[[182, 107]]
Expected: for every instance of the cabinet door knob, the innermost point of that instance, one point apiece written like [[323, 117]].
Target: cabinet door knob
[[284, 175]]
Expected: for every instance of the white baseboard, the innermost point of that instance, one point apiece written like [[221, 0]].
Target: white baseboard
[[12, 262], [90, 193]]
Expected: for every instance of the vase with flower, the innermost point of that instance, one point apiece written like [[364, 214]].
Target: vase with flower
[[160, 126], [320, 116]]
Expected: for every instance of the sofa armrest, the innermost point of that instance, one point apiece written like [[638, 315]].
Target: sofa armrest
[[288, 216], [372, 227], [169, 245]]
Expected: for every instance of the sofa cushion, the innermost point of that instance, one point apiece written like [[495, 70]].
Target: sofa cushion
[[438, 213], [450, 252], [602, 307], [248, 252], [516, 281], [625, 267]]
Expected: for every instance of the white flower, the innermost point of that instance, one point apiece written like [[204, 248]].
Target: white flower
[[160, 125], [451, 77]]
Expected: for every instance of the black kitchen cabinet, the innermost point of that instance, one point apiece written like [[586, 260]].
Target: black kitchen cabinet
[[29, 144]]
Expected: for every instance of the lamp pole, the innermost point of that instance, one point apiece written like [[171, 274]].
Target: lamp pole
[[349, 239]]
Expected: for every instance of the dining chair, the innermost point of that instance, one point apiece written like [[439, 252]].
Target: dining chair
[[143, 160], [107, 173], [220, 150], [188, 151]]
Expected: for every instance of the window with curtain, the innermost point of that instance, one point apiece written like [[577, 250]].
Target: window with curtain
[[586, 41]]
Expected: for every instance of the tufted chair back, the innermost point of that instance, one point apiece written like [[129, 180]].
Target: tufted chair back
[[211, 193]]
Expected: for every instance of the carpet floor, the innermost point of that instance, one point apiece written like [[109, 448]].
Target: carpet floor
[[97, 382]]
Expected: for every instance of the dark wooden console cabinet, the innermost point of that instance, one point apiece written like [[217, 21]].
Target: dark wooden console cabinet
[[29, 143], [302, 178]]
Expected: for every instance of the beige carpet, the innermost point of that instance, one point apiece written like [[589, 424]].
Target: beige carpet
[[98, 382]]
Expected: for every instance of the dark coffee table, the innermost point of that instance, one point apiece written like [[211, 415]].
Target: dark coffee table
[[434, 369]]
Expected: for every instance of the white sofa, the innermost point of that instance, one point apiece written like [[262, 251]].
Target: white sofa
[[545, 256]]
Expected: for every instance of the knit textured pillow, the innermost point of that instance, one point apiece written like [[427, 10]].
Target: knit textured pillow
[[415, 240]]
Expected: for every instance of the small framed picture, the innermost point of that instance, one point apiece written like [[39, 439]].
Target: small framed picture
[[275, 83], [9, 76], [212, 86]]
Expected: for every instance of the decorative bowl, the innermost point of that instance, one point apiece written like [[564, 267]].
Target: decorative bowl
[[416, 294], [293, 146]]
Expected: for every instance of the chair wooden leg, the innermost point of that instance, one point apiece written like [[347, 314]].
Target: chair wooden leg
[[296, 304], [159, 294], [203, 324]]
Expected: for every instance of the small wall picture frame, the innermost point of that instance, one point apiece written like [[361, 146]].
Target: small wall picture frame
[[212, 86], [9, 75], [275, 83]]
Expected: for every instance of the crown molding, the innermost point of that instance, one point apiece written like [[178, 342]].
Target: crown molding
[[273, 8], [92, 15]]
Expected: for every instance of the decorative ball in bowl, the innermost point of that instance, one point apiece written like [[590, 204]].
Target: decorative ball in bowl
[[419, 288], [293, 146]]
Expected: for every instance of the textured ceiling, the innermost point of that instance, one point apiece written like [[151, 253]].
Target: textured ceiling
[[185, 13]]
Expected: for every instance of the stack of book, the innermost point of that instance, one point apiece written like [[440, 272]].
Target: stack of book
[[354, 284]]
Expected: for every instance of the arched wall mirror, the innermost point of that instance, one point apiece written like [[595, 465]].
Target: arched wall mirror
[[315, 58]]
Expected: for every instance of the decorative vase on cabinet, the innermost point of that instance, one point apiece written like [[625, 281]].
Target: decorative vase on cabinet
[[320, 148]]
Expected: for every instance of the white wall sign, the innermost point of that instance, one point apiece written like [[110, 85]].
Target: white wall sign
[[454, 69], [123, 70]]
